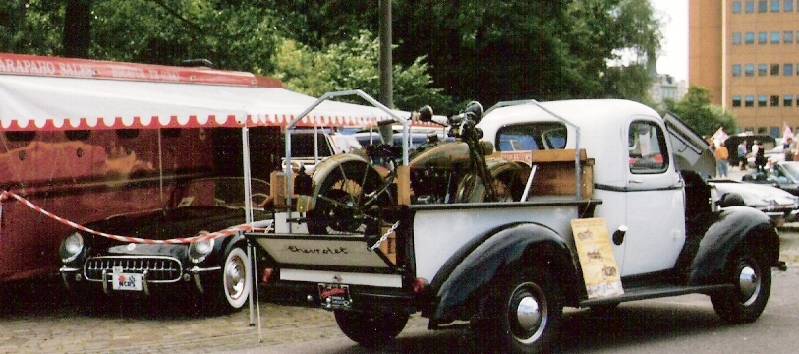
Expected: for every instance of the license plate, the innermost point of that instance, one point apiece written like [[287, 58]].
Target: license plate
[[127, 281], [335, 296]]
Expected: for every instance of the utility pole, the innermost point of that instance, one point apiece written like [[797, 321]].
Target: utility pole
[[386, 81]]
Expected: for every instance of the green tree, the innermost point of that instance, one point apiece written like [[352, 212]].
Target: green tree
[[698, 113], [353, 64], [496, 50]]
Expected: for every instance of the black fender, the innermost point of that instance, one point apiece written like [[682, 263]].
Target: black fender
[[734, 226], [459, 284]]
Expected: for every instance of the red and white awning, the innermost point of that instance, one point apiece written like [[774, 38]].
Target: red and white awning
[[48, 103]]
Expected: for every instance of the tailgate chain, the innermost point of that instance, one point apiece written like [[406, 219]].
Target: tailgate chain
[[385, 236]]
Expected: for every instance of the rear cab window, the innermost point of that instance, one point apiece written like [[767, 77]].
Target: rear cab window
[[531, 136], [647, 148]]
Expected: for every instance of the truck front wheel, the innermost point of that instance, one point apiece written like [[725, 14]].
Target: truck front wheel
[[528, 313], [371, 329], [752, 279]]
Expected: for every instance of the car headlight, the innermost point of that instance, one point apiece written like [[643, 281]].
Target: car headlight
[[72, 247], [198, 250]]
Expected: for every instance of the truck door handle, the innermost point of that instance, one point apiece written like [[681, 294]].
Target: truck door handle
[[618, 235], [636, 181]]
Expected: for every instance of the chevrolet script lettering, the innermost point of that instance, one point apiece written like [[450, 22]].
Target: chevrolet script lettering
[[326, 250]]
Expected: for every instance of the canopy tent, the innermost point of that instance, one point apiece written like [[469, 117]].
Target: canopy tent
[[54, 103]]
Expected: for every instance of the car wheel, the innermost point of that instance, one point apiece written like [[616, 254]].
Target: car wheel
[[232, 289], [528, 314], [748, 298], [370, 329]]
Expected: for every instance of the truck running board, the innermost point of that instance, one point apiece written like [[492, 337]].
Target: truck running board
[[651, 292]]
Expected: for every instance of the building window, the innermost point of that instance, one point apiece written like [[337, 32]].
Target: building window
[[750, 37], [775, 69], [750, 6], [775, 5], [736, 38], [787, 69], [750, 101], [762, 101], [762, 69], [750, 70], [762, 6], [736, 101], [774, 100], [774, 132], [787, 37], [736, 70], [736, 7], [762, 37], [787, 6], [775, 38], [787, 100]]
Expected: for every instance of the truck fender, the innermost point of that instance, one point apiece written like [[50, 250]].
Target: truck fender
[[734, 226], [459, 283]]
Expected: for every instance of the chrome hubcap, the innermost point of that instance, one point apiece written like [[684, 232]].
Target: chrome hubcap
[[749, 284], [235, 277], [528, 314], [527, 309]]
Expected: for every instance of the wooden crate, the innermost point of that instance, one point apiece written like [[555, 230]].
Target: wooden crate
[[555, 174]]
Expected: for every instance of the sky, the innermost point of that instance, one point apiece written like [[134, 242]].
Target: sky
[[673, 56]]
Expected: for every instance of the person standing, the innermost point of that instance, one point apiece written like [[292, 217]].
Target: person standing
[[742, 155], [790, 149], [722, 157], [760, 157]]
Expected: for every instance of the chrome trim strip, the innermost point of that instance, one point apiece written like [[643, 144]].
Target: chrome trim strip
[[197, 269]]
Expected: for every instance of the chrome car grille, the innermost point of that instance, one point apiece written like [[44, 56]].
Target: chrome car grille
[[159, 269]]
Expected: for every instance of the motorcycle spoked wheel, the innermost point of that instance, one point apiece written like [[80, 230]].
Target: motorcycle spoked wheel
[[347, 199], [471, 189]]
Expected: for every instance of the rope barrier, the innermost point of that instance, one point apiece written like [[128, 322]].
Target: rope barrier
[[203, 236]]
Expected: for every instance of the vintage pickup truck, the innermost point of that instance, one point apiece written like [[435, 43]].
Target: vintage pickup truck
[[509, 264]]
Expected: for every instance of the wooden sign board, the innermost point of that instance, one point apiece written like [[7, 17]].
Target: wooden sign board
[[600, 271]]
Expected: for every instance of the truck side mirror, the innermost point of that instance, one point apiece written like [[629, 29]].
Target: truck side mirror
[[730, 199]]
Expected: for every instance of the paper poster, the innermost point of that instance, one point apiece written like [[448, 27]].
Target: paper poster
[[600, 271]]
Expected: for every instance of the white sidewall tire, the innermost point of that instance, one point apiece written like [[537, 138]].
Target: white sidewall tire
[[237, 303]]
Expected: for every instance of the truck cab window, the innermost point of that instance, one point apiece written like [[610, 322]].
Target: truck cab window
[[536, 136], [646, 145]]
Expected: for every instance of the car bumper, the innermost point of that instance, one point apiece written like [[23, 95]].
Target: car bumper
[[196, 277], [364, 298]]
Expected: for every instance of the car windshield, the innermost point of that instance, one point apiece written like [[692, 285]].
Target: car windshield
[[790, 170], [221, 191]]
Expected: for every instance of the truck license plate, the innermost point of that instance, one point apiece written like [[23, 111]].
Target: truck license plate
[[335, 296], [127, 281]]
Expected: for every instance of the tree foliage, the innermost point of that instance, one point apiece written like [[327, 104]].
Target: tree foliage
[[473, 49], [353, 64], [697, 112]]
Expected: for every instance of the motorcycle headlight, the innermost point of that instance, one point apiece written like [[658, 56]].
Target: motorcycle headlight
[[198, 250], [71, 247]]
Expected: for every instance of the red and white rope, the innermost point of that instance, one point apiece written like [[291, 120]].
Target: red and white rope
[[233, 230]]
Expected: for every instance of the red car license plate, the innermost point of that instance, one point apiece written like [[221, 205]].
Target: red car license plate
[[335, 296]]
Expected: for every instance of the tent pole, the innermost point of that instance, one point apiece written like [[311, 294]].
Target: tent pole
[[248, 207], [160, 170]]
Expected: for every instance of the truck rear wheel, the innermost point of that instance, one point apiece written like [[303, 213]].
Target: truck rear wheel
[[528, 314], [371, 329], [752, 279]]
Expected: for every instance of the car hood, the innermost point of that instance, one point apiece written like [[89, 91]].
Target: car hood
[[758, 195], [165, 224]]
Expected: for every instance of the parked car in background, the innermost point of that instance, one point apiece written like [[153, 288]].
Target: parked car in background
[[218, 271], [783, 175], [732, 143], [302, 148], [779, 205]]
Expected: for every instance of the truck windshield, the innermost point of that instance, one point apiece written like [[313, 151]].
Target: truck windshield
[[532, 136]]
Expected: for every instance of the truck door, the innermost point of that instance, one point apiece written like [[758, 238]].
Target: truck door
[[654, 195]]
